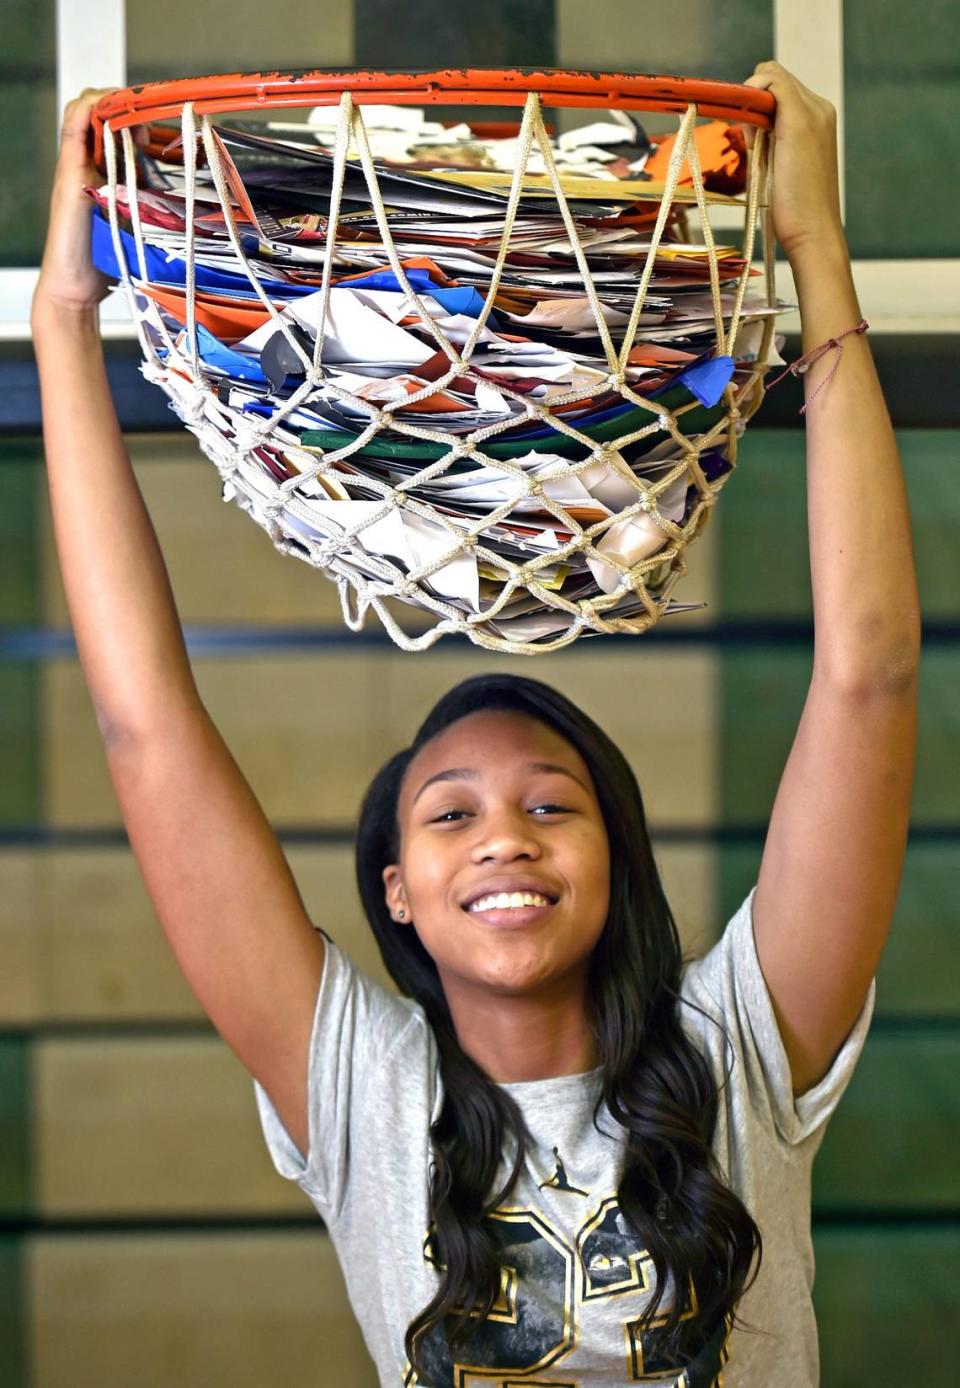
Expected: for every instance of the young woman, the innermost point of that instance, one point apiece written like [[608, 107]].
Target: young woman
[[557, 1157]]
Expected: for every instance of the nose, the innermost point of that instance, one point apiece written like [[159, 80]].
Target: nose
[[505, 838]]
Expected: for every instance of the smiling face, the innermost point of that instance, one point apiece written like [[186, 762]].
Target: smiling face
[[504, 865]]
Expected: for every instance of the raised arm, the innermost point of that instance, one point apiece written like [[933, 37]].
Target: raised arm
[[219, 882], [834, 852]]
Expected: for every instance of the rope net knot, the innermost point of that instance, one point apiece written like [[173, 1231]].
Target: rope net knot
[[512, 412]]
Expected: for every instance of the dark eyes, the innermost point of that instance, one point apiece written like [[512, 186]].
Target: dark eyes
[[549, 808]]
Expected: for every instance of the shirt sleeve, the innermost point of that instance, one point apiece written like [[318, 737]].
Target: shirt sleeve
[[728, 984], [356, 1024]]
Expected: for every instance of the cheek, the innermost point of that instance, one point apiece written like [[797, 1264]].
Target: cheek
[[593, 851], [428, 868], [593, 899], [428, 872]]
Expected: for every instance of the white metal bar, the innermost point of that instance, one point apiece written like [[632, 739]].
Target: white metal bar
[[16, 293], [91, 46], [808, 39], [896, 296]]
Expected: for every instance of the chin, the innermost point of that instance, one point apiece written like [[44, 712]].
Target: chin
[[519, 976]]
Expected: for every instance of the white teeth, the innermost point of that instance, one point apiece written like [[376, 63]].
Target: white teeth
[[503, 901]]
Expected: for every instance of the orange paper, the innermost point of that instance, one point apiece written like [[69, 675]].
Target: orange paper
[[722, 151], [227, 319]]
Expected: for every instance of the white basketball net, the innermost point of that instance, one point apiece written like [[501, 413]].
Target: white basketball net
[[394, 544]]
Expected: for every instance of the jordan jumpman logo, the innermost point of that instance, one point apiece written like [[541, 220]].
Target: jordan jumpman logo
[[558, 1181]]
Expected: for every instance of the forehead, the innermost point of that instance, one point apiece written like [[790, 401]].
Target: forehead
[[491, 742]]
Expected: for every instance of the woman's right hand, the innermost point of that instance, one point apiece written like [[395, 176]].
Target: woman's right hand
[[69, 280]]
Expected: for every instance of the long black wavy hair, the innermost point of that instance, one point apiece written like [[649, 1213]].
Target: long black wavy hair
[[655, 1082]]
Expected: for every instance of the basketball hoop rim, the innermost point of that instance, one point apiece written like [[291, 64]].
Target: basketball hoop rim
[[156, 101]]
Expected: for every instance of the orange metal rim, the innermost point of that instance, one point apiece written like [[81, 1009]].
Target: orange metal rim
[[154, 101]]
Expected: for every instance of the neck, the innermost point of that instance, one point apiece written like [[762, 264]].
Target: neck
[[523, 1037]]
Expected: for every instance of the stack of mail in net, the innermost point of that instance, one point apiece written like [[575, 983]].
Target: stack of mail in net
[[444, 191]]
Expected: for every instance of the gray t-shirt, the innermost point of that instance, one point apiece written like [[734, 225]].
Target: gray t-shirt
[[575, 1281]]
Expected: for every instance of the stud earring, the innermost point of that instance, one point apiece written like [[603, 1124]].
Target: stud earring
[[401, 914]]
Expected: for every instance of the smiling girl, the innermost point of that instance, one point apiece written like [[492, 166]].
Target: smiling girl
[[558, 1156]]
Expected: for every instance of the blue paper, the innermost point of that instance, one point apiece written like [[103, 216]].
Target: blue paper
[[464, 299], [461, 299], [386, 279], [216, 353], [709, 379], [213, 352], [171, 270]]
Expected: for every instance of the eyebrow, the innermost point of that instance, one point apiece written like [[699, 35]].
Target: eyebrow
[[468, 773]]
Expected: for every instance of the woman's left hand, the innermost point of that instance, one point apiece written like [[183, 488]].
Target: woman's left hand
[[806, 184]]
